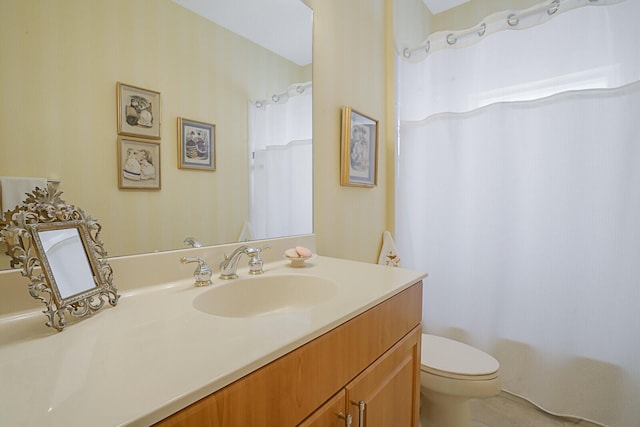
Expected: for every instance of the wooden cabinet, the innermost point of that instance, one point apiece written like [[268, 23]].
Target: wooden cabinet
[[386, 394], [373, 358]]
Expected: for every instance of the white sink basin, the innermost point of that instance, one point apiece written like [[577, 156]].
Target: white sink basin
[[263, 295]]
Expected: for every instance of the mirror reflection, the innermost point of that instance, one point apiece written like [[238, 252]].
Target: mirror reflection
[[67, 259], [58, 115]]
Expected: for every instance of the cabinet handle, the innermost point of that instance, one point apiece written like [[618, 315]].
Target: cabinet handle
[[361, 405], [347, 419]]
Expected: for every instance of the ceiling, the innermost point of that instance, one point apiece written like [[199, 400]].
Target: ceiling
[[437, 6], [281, 26]]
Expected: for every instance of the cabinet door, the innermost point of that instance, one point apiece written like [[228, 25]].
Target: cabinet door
[[388, 392], [331, 414]]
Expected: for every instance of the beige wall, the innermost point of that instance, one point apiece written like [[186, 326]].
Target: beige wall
[[59, 64], [350, 69]]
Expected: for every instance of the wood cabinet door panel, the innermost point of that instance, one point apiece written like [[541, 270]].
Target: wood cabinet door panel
[[390, 388]]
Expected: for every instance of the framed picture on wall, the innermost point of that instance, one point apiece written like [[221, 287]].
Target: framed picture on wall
[[138, 163], [196, 145], [359, 151], [138, 111]]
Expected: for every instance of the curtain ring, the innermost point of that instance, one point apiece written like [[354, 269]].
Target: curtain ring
[[407, 53], [451, 39], [512, 20], [275, 98], [299, 89], [483, 29], [555, 5], [259, 104]]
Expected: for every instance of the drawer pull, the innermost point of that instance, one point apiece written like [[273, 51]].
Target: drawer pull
[[361, 406]]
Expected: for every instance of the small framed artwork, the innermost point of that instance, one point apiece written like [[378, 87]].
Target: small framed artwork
[[138, 111], [138, 163], [196, 145], [359, 151]]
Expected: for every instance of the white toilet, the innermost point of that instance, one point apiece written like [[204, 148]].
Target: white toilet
[[451, 374]]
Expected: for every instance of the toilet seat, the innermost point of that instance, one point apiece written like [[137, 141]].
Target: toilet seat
[[453, 359]]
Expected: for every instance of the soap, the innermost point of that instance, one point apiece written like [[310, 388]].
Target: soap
[[291, 253], [303, 252]]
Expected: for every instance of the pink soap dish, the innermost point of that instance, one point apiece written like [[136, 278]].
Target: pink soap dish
[[297, 261]]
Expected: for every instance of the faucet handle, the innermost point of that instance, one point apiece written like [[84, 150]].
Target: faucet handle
[[255, 260], [203, 272]]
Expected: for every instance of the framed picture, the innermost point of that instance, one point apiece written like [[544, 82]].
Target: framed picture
[[196, 145], [138, 111], [359, 151], [138, 163]]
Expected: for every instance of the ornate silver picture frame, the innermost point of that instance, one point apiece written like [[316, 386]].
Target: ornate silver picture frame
[[59, 250]]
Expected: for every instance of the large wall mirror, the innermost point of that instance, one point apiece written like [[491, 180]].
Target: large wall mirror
[[215, 61]]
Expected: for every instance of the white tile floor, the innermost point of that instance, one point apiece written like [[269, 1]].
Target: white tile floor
[[506, 410]]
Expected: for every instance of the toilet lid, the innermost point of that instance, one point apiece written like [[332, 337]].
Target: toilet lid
[[446, 357]]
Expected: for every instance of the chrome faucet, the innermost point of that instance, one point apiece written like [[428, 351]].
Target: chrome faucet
[[202, 274], [229, 265], [193, 242]]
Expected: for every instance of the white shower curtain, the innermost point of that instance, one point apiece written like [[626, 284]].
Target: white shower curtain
[[524, 205], [281, 164]]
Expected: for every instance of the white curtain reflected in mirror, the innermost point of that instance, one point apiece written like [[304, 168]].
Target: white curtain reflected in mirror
[[281, 172], [68, 261]]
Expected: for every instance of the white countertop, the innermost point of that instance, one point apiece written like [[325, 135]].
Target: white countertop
[[154, 353]]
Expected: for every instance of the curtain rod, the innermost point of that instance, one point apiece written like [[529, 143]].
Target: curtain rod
[[496, 22], [294, 89]]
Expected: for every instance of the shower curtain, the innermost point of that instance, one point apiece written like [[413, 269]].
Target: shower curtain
[[518, 190], [281, 164]]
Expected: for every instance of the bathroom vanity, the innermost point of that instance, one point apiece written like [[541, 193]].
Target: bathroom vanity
[[160, 357], [368, 366]]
